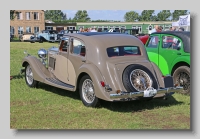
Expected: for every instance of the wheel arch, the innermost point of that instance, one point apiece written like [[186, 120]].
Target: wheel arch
[[182, 63]]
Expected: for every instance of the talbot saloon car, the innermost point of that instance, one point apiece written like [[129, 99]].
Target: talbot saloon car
[[170, 51], [100, 65]]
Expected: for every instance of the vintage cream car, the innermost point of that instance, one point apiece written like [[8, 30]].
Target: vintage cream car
[[100, 65]]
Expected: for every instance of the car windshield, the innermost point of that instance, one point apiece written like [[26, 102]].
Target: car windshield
[[123, 51]]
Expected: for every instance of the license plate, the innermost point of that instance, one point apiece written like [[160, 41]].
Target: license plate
[[150, 92]]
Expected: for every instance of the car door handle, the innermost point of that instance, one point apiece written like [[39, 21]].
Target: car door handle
[[178, 53], [83, 60]]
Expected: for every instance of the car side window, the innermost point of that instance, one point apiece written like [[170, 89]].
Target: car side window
[[171, 42], [64, 45], [153, 42], [78, 47]]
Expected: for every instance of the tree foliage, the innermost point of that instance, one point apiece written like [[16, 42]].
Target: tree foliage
[[81, 16], [164, 15], [55, 15], [147, 15], [13, 14], [131, 16], [177, 13]]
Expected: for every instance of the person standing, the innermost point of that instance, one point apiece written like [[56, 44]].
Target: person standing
[[93, 30], [155, 29]]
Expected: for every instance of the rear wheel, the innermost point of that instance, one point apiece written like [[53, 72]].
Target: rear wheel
[[181, 77], [87, 92], [29, 77]]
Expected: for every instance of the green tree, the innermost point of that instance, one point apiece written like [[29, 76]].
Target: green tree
[[81, 16], [131, 16], [177, 13], [154, 18], [164, 15], [55, 15], [147, 15]]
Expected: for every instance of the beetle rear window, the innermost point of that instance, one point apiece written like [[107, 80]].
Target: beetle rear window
[[123, 51]]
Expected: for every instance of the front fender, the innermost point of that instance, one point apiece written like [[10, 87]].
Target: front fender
[[40, 72], [96, 77]]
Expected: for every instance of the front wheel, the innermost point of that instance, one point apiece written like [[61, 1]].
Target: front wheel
[[87, 92], [29, 77], [181, 77]]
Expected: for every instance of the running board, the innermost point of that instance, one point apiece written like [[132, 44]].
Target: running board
[[57, 83]]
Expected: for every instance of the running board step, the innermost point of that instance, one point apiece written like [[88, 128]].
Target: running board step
[[59, 83]]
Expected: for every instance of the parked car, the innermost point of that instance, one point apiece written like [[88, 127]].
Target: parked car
[[143, 38], [170, 51], [101, 65], [62, 32], [25, 36], [11, 36], [45, 35], [130, 31]]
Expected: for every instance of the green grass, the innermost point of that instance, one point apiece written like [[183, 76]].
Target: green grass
[[48, 107]]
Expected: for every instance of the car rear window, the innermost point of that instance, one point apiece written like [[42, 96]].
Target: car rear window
[[123, 51]]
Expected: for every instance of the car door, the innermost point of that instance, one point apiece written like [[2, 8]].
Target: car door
[[61, 61], [168, 52], [77, 57], [152, 47]]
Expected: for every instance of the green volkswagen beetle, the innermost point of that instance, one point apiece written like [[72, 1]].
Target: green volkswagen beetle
[[170, 51]]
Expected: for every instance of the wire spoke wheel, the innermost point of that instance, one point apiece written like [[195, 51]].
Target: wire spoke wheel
[[29, 75], [87, 92], [140, 80]]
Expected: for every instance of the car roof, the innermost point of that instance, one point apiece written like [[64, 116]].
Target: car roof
[[106, 39], [183, 35]]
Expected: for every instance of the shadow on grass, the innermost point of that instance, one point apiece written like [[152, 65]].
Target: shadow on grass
[[139, 105], [58, 91], [125, 106]]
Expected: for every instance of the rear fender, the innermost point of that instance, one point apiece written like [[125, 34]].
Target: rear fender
[[96, 77], [158, 75]]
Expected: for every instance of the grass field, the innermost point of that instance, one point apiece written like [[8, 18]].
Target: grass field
[[48, 107]]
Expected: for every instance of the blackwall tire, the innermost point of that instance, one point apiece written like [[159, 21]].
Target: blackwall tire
[[181, 77], [87, 92], [29, 77], [138, 78]]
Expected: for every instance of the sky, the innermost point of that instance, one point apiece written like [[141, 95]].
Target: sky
[[105, 14]]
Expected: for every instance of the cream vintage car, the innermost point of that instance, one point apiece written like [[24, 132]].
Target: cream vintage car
[[100, 65]]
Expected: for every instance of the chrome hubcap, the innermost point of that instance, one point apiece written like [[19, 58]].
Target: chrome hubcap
[[88, 91], [29, 75], [140, 80]]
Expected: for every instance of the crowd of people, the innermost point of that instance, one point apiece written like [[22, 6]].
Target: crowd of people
[[93, 29], [158, 28]]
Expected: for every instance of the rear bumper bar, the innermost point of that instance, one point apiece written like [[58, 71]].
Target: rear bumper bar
[[126, 95]]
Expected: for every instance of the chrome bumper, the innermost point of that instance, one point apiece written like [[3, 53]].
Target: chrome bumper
[[126, 95]]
